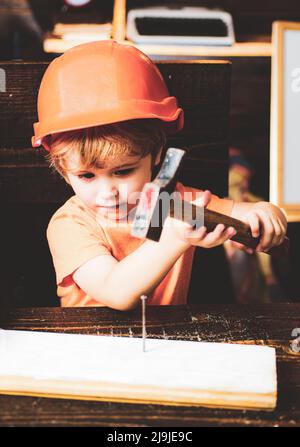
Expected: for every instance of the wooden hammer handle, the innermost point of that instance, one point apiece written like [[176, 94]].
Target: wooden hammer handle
[[243, 235]]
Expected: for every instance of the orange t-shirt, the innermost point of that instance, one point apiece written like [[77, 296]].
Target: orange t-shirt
[[75, 237]]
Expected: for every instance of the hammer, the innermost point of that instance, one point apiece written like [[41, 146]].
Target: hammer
[[152, 211]]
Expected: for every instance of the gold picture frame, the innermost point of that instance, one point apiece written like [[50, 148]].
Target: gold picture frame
[[284, 179]]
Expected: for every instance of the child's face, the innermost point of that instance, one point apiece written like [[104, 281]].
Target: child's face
[[113, 190]]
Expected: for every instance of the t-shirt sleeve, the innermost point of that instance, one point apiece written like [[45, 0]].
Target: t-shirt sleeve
[[72, 242], [222, 206]]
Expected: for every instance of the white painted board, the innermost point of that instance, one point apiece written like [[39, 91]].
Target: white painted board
[[107, 367], [285, 112]]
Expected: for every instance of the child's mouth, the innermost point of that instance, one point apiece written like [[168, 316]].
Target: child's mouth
[[113, 209], [116, 212]]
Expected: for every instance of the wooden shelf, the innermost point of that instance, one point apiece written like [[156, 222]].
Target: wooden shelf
[[240, 49], [245, 49]]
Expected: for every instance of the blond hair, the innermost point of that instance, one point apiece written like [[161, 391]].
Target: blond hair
[[95, 145]]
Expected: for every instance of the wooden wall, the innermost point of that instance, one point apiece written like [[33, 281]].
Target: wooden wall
[[250, 116]]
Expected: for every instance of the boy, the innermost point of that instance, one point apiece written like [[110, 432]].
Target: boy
[[104, 111]]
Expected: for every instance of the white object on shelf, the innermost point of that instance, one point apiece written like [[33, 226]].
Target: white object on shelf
[[185, 15], [77, 3]]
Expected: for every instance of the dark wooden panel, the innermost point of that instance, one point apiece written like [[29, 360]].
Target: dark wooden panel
[[27, 275], [249, 123], [268, 325], [32, 185], [18, 103], [250, 116], [206, 103], [204, 167]]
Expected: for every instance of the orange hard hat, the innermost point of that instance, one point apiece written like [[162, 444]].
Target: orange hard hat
[[99, 83]]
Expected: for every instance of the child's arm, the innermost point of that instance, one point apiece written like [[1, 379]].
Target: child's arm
[[264, 219], [120, 284]]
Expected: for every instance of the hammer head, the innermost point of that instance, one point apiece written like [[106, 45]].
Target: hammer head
[[154, 203]]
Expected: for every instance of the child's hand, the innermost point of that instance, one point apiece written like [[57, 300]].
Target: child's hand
[[268, 221], [201, 238], [185, 233]]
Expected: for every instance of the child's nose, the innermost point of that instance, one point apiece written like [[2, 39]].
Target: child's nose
[[106, 191]]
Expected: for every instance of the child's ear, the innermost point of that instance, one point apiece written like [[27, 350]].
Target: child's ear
[[66, 179], [157, 158]]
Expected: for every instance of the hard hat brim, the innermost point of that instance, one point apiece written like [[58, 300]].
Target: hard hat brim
[[172, 117]]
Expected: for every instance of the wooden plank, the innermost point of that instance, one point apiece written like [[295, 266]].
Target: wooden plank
[[213, 322], [119, 21], [239, 49], [248, 378]]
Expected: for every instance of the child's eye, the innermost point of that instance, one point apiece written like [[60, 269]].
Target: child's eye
[[86, 176], [124, 172]]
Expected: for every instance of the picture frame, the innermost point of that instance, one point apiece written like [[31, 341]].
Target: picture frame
[[285, 119]]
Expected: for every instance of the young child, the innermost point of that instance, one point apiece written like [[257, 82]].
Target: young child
[[104, 112]]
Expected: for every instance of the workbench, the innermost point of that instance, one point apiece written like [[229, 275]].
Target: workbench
[[265, 324]]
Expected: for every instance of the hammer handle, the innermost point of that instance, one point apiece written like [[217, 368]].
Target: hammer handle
[[243, 235]]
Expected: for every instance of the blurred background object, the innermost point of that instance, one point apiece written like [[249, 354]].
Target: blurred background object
[[21, 36], [78, 21], [256, 277], [25, 26], [77, 2], [180, 26]]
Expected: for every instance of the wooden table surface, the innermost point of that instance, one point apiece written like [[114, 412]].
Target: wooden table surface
[[269, 324]]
